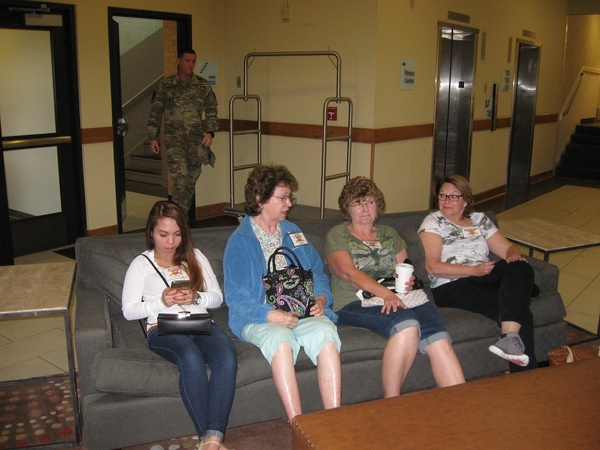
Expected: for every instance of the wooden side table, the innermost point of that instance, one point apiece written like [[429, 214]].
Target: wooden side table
[[34, 290], [550, 407]]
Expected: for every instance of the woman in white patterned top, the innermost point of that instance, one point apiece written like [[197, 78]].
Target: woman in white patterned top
[[457, 243]]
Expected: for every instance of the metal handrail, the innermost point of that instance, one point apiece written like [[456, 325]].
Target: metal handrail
[[347, 137], [567, 106], [258, 131], [338, 65], [18, 144], [142, 92], [232, 132], [137, 145], [571, 97]]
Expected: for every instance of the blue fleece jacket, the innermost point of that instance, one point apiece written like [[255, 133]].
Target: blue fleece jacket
[[244, 266]]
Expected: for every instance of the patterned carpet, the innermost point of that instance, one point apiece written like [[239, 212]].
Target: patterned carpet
[[36, 413]]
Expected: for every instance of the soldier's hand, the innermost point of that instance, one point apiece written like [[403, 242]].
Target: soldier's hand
[[155, 147], [207, 141]]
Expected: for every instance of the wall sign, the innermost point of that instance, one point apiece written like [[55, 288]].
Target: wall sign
[[488, 107], [505, 83], [208, 71], [407, 73]]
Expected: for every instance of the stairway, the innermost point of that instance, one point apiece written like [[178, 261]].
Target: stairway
[[581, 159], [143, 173]]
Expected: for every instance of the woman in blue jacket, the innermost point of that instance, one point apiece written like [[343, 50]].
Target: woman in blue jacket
[[278, 333]]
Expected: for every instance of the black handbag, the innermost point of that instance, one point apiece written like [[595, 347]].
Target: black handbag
[[184, 322], [290, 289]]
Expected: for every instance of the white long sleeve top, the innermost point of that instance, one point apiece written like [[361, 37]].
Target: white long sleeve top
[[143, 288]]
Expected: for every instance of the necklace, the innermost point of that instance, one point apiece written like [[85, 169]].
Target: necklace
[[173, 270]]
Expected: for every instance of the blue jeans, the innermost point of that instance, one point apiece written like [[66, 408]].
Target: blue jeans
[[426, 318], [208, 401]]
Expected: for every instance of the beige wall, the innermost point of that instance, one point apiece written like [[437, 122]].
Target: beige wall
[[94, 85], [371, 36], [409, 30]]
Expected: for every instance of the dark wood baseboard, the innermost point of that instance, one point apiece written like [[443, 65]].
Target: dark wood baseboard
[[541, 177], [210, 211], [105, 231], [217, 209], [499, 191]]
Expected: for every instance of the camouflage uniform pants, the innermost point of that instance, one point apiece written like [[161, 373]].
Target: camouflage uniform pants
[[185, 167]]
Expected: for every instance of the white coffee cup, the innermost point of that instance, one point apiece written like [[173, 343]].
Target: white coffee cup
[[402, 274]]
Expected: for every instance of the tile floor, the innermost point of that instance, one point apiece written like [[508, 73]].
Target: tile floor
[[579, 281], [36, 347]]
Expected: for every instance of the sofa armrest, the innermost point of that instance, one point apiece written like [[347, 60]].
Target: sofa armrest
[[546, 274], [92, 331]]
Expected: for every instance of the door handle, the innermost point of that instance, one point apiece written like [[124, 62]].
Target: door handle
[[122, 127]]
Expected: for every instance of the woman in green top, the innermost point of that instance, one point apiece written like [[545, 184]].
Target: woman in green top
[[358, 253]]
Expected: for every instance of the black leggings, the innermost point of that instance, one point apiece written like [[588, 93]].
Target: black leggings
[[503, 295]]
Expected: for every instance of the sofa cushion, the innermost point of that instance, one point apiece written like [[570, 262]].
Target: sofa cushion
[[134, 372], [102, 263], [465, 326]]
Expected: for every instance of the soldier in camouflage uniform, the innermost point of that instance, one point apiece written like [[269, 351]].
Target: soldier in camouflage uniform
[[182, 98]]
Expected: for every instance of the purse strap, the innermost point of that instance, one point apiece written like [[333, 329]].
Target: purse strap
[[288, 253], [161, 275], [156, 268]]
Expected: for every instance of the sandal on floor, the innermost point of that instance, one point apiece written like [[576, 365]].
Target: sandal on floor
[[201, 444]]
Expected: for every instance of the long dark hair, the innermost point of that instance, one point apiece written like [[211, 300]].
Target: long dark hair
[[184, 254]]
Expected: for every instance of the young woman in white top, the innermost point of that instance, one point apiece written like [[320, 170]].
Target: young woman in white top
[[145, 294]]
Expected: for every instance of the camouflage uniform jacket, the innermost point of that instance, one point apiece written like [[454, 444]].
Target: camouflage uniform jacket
[[183, 103]]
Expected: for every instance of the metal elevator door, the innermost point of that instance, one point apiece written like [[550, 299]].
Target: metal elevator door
[[523, 120], [457, 48]]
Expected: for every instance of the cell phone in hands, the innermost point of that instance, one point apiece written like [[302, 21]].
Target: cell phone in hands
[[180, 284]]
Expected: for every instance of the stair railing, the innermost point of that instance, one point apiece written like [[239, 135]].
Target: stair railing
[[567, 106], [134, 147], [152, 85], [143, 91]]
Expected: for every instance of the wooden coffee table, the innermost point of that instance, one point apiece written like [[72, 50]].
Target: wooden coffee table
[[552, 407], [546, 237], [33, 290]]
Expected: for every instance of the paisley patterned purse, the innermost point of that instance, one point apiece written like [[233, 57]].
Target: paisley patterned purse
[[291, 288]]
